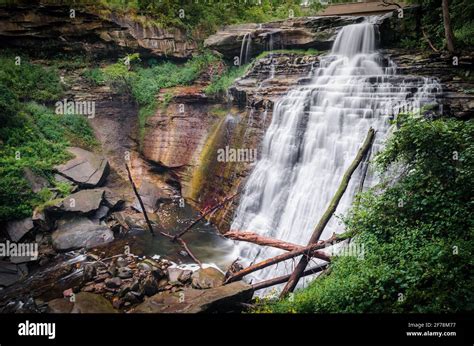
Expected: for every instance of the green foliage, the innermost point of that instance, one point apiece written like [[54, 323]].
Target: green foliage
[[64, 188], [94, 76], [31, 135], [28, 81], [417, 234], [461, 13], [465, 34], [220, 83], [205, 17]]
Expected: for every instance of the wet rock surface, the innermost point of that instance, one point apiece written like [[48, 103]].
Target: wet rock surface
[[80, 233], [17, 229], [87, 169]]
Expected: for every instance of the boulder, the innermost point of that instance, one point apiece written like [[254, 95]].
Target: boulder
[[41, 220], [83, 202], [150, 194], [112, 199], [60, 306], [174, 274], [17, 229], [86, 303], [86, 169], [80, 233], [190, 300], [207, 278], [11, 273]]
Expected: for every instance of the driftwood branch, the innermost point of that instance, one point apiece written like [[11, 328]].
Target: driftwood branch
[[429, 41], [184, 245], [301, 266], [139, 201], [284, 278], [211, 210], [310, 251], [255, 238]]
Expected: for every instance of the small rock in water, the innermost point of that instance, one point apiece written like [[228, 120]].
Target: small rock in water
[[149, 286], [124, 273], [116, 303], [173, 275], [121, 262], [90, 272], [113, 282], [185, 276], [67, 293], [131, 298], [112, 269], [183, 253], [144, 266]]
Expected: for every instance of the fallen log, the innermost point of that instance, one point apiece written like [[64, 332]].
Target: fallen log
[[300, 267], [310, 250], [211, 210], [255, 238], [284, 278], [139, 200]]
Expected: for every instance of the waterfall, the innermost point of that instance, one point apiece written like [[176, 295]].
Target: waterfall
[[245, 48], [315, 133]]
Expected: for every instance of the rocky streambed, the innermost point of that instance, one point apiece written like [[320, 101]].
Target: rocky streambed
[[95, 253]]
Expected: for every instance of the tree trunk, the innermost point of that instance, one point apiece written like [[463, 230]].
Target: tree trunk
[[284, 278], [139, 200], [252, 237], [295, 276], [448, 30]]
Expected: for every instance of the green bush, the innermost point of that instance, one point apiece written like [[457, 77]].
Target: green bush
[[221, 83], [30, 82], [94, 76], [417, 234], [31, 135]]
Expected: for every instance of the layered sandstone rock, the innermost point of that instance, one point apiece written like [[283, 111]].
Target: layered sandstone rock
[[97, 33]]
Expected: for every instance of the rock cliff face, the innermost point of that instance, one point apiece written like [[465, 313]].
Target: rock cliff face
[[187, 136], [297, 33], [57, 29], [248, 40]]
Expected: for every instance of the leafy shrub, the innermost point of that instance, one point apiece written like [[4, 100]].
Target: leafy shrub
[[39, 144], [221, 83], [30, 82]]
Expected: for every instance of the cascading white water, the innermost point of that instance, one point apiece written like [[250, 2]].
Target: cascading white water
[[315, 132], [245, 48]]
